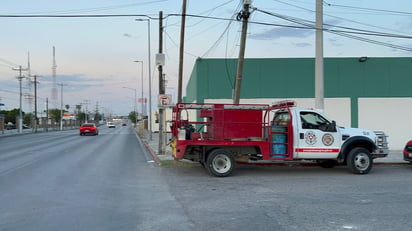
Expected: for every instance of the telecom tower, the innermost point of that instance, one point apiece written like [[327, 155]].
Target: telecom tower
[[54, 88], [28, 96]]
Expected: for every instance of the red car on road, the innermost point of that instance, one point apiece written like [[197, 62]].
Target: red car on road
[[407, 151], [89, 128]]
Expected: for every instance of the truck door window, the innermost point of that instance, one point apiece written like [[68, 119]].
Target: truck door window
[[311, 120]]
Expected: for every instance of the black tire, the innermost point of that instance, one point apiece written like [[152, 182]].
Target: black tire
[[220, 162], [359, 161], [81, 134], [327, 163]]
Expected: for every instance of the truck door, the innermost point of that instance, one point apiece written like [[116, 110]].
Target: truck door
[[317, 137]]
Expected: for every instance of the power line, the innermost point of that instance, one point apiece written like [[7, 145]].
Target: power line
[[349, 34], [74, 16], [103, 8], [369, 9], [333, 16], [8, 63]]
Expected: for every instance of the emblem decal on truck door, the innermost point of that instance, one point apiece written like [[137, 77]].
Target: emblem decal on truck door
[[310, 138], [327, 139]]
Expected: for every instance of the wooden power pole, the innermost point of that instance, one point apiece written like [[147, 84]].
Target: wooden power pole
[[244, 15]]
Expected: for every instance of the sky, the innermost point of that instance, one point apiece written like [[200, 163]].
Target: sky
[[95, 56]]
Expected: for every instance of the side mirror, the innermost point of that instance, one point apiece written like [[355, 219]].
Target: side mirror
[[333, 126]]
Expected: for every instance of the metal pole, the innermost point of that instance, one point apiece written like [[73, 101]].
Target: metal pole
[[47, 115], [135, 108], [161, 85], [150, 77], [20, 112], [20, 77], [61, 106], [150, 81], [135, 104], [35, 103], [319, 79], [137, 61], [182, 46], [143, 111]]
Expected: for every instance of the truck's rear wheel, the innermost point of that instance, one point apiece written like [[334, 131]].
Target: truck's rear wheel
[[220, 162], [360, 161]]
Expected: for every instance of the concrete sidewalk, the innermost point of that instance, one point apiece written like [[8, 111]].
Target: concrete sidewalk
[[394, 157]]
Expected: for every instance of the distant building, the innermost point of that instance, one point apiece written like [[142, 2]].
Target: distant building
[[368, 92]]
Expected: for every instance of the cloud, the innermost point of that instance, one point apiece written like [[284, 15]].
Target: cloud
[[75, 82], [335, 42], [302, 44], [284, 32], [127, 35], [288, 32]]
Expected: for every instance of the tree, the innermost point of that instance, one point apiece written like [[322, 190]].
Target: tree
[[133, 116], [27, 118], [54, 113], [10, 116], [97, 117]]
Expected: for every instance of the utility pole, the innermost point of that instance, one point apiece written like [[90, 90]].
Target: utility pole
[[319, 79], [47, 114], [97, 112], [182, 47], [20, 77], [61, 104], [244, 15], [161, 84], [150, 80], [35, 103]]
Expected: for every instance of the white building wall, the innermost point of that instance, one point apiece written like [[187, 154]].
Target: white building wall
[[390, 115]]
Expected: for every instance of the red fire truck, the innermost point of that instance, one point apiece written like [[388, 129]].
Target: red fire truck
[[219, 135]]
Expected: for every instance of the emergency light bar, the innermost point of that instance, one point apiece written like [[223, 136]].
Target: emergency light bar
[[284, 103], [194, 106], [246, 107]]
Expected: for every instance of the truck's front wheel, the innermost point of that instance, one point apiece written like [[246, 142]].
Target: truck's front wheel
[[220, 162], [360, 161]]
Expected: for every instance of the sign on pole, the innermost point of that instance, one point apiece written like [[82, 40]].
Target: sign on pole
[[164, 100]]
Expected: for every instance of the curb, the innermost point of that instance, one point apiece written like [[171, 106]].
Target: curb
[[152, 153]]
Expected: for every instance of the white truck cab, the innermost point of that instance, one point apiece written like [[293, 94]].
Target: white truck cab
[[317, 137]]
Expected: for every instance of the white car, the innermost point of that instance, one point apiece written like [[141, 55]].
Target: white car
[[111, 125]]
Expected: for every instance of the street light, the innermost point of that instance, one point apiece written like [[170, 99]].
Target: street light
[[150, 76], [137, 61], [61, 105], [135, 104]]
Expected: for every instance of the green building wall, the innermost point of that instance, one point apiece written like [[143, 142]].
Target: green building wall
[[295, 78]]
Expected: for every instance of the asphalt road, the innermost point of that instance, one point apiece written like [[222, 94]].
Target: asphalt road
[[295, 198], [63, 181]]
